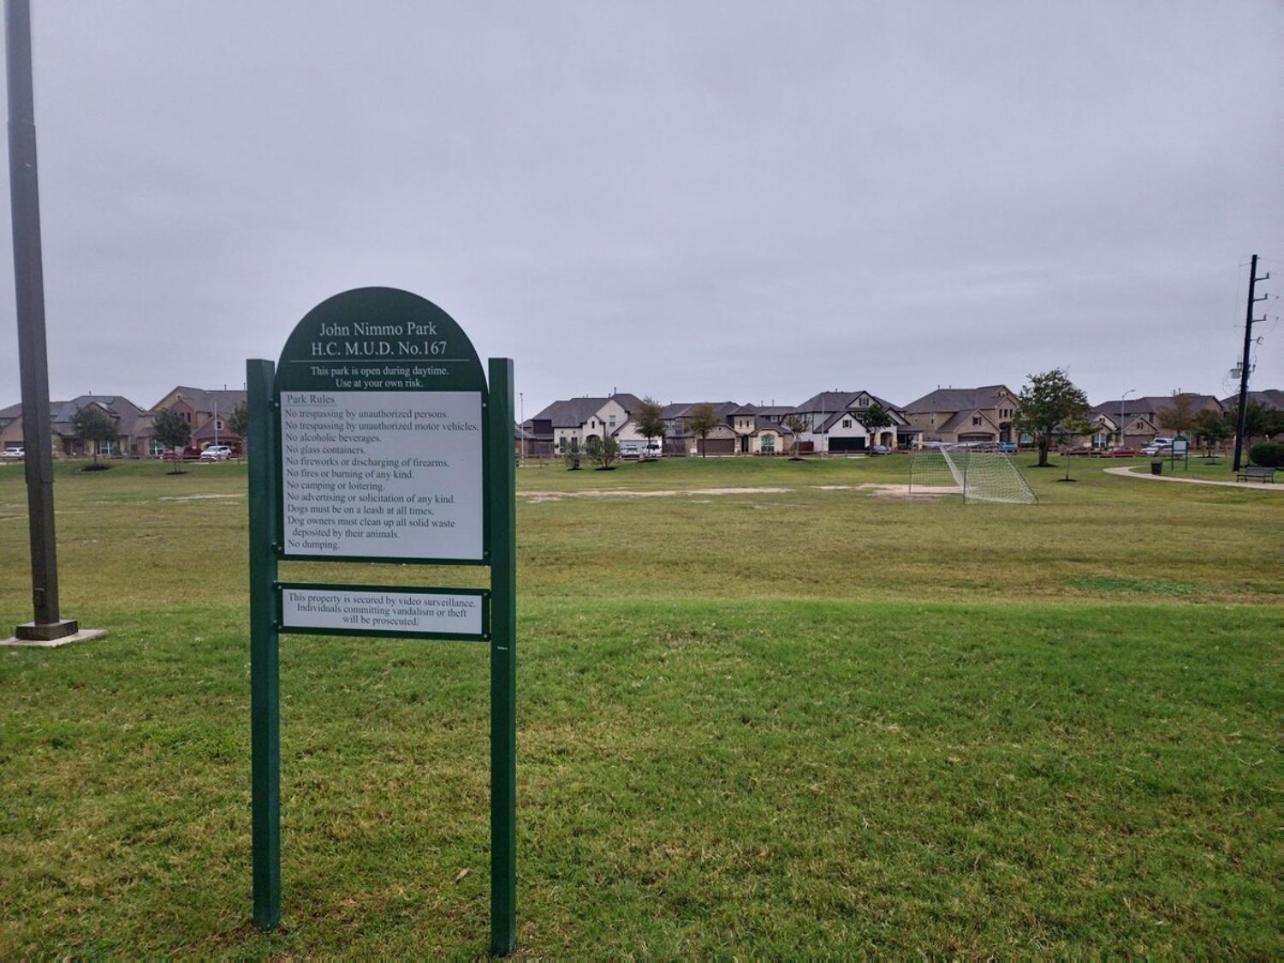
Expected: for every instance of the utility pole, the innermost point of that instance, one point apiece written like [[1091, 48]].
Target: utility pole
[[48, 626], [1249, 321]]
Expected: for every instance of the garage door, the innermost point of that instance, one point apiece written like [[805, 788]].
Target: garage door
[[718, 446], [847, 444]]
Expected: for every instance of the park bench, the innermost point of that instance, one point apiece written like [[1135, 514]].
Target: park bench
[[1257, 473]]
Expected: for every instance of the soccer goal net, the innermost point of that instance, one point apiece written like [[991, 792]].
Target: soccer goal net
[[978, 474]]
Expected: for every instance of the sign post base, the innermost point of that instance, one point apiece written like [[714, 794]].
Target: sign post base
[[50, 635]]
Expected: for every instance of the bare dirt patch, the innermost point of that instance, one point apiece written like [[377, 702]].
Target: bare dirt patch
[[536, 497], [878, 489]]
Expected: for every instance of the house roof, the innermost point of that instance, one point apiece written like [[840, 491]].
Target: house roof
[[722, 409], [961, 417], [831, 402], [1149, 406], [223, 400], [125, 411], [1267, 398], [760, 423], [573, 412], [959, 399], [14, 412]]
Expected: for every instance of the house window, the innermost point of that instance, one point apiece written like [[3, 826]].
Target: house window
[[976, 420], [768, 444], [863, 403], [847, 422]]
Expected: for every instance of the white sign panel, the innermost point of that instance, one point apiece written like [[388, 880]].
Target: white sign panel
[[359, 609], [382, 474]]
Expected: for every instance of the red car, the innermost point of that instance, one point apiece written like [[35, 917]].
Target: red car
[[1121, 453]]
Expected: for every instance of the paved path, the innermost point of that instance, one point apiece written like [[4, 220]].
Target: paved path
[[1132, 472]]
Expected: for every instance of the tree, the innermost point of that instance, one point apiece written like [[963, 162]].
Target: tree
[[602, 451], [797, 425], [238, 423], [1213, 428], [1258, 420], [1048, 400], [1180, 416], [571, 453], [649, 419], [92, 423], [1075, 425], [874, 418], [702, 420], [169, 428]]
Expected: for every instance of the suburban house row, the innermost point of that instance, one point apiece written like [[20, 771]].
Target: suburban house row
[[830, 421], [206, 411], [833, 421]]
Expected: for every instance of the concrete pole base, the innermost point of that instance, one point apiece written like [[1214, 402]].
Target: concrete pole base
[[46, 631], [38, 636]]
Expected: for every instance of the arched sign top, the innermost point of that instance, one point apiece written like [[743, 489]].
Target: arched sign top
[[381, 408], [378, 339]]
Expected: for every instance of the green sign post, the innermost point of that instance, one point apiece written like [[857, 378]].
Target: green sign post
[[378, 438]]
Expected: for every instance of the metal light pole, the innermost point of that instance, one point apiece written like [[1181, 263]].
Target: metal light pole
[[24, 194], [1121, 415]]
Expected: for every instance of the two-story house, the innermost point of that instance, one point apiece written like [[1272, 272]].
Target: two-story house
[[966, 415], [834, 422], [206, 410], [1142, 417], [579, 419]]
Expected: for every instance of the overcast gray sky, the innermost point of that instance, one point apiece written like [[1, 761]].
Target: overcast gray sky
[[695, 200]]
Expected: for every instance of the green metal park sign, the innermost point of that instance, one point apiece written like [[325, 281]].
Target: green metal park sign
[[378, 437]]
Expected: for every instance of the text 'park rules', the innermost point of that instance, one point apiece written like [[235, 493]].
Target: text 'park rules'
[[382, 474]]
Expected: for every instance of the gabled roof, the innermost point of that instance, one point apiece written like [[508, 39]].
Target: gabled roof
[[831, 402], [964, 419], [573, 412], [827, 401], [124, 410], [760, 423], [959, 399], [223, 400]]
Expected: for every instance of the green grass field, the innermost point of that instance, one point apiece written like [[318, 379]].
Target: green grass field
[[816, 721]]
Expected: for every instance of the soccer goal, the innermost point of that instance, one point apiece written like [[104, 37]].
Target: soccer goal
[[978, 474]]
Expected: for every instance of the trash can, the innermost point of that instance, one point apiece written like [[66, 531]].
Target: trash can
[[1156, 467]]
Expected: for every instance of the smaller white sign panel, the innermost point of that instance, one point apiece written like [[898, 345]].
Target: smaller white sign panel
[[379, 610]]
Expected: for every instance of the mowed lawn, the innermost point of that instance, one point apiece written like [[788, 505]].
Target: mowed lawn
[[807, 719]]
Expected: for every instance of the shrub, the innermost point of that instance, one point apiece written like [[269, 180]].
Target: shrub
[[1269, 454]]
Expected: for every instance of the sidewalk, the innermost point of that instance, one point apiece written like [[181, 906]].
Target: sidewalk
[[1132, 472]]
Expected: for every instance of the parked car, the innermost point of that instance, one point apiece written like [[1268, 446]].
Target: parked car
[[1120, 453], [879, 450], [1158, 445], [1007, 447], [216, 453], [15, 453]]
